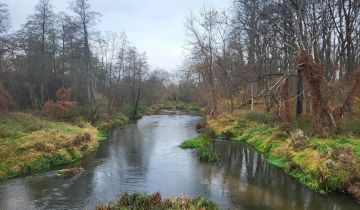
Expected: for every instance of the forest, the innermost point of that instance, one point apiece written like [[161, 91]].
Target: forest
[[280, 75]]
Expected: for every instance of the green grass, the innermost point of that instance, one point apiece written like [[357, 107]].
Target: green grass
[[155, 202], [201, 144], [278, 161], [194, 143], [102, 135], [30, 143], [205, 155]]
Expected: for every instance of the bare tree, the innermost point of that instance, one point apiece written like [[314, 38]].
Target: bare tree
[[86, 19], [202, 39]]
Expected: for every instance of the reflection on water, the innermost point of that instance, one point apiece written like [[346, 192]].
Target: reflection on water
[[144, 156]]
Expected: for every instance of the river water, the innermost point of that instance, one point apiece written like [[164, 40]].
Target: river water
[[144, 156]]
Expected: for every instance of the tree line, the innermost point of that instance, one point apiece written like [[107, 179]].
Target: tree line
[[54, 50]]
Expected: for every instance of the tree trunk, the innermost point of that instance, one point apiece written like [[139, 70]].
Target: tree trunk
[[299, 94]]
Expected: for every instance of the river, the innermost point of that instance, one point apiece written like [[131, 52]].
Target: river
[[144, 156]]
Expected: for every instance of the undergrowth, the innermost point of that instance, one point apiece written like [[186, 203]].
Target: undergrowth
[[173, 106], [155, 202]]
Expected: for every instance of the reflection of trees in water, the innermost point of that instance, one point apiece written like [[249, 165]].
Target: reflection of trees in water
[[252, 183]]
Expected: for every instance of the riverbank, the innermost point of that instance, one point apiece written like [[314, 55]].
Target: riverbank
[[30, 144], [330, 164]]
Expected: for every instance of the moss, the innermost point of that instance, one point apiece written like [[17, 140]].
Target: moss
[[152, 202], [30, 143]]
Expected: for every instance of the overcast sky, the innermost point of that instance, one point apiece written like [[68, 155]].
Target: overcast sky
[[154, 26]]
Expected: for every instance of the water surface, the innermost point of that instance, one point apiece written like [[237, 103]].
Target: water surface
[[144, 156]]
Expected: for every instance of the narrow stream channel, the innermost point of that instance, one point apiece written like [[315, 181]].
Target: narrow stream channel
[[144, 156]]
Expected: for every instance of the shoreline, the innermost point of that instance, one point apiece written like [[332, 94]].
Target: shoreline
[[314, 164]]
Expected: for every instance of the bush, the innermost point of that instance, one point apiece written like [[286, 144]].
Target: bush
[[63, 108], [260, 117], [298, 139]]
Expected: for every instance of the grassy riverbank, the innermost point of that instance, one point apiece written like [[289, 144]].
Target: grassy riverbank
[[110, 123], [30, 143], [155, 202], [324, 164]]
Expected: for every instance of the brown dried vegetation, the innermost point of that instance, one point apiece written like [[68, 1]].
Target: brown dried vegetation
[[314, 77], [62, 106]]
